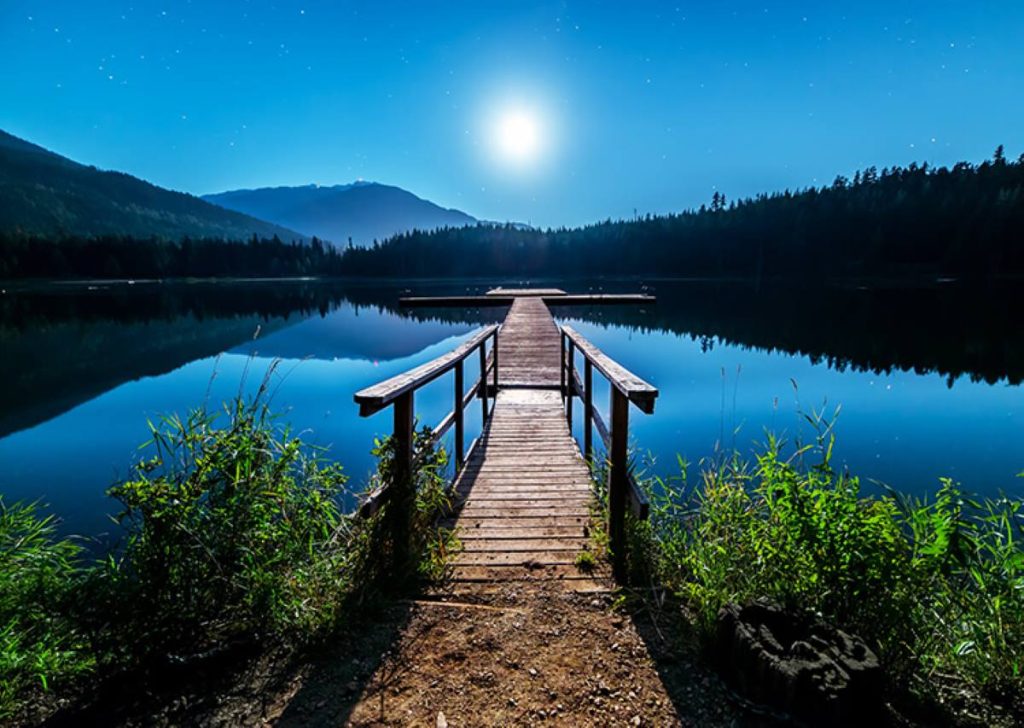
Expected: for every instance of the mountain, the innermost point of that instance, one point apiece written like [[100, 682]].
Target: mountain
[[362, 211], [46, 194]]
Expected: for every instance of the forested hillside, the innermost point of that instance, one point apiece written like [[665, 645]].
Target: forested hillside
[[901, 223], [45, 194], [967, 221]]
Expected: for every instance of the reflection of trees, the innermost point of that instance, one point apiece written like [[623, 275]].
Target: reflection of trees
[[67, 345], [154, 302], [64, 345], [952, 330]]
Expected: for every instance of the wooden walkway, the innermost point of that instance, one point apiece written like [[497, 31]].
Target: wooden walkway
[[523, 494], [529, 347], [526, 513], [526, 488]]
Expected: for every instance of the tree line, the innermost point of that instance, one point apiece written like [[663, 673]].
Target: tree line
[[123, 256], [966, 222]]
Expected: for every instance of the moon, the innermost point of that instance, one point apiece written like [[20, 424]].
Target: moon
[[518, 137]]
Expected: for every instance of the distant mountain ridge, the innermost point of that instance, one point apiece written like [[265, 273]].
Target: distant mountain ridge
[[44, 193], [360, 211]]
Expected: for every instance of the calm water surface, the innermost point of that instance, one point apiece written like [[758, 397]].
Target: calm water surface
[[928, 379]]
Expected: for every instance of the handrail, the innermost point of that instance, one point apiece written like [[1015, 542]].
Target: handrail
[[399, 391], [625, 387], [638, 503], [636, 389], [380, 395]]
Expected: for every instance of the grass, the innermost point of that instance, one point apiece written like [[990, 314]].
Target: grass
[[233, 528], [935, 584], [585, 562], [39, 647], [429, 543], [232, 532]]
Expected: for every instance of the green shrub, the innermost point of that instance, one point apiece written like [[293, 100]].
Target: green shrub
[[968, 563], [39, 646], [232, 529], [935, 585], [429, 543]]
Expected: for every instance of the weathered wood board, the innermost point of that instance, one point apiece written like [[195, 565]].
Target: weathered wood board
[[529, 347], [525, 491]]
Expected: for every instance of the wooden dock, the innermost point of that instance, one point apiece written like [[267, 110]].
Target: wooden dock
[[502, 297], [529, 346], [523, 493]]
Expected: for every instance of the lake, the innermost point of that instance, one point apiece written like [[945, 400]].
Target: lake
[[928, 377]]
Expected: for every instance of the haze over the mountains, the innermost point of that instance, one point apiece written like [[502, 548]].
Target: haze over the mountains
[[361, 212], [43, 193]]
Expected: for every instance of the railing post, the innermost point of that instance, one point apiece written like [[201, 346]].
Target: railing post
[[588, 410], [618, 481], [483, 381], [403, 496], [494, 349], [561, 365], [570, 378], [460, 392]]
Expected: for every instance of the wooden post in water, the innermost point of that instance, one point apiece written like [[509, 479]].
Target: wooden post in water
[[618, 481], [460, 392], [588, 411], [403, 495]]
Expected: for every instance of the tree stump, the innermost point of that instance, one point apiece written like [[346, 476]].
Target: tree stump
[[797, 664]]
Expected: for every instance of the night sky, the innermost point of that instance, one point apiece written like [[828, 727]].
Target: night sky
[[648, 107]]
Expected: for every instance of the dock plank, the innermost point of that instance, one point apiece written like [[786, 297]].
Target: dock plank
[[525, 494], [529, 347]]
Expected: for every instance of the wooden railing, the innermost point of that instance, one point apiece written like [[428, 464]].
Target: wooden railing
[[626, 388], [398, 392]]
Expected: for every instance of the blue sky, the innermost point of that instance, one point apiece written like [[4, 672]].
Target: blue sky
[[647, 106]]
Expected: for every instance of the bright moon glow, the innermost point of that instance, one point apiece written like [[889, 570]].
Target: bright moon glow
[[518, 137]]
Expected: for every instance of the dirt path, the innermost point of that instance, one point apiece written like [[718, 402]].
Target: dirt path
[[513, 658], [518, 657]]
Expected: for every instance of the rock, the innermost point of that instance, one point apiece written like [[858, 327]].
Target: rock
[[441, 722], [798, 664]]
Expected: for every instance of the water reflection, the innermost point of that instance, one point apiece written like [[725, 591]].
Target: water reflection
[[87, 368], [84, 368], [952, 330]]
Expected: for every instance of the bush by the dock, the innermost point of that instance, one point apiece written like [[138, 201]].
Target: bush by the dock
[[935, 585], [234, 534]]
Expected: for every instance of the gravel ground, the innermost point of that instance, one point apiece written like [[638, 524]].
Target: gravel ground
[[526, 656], [515, 657], [518, 657]]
